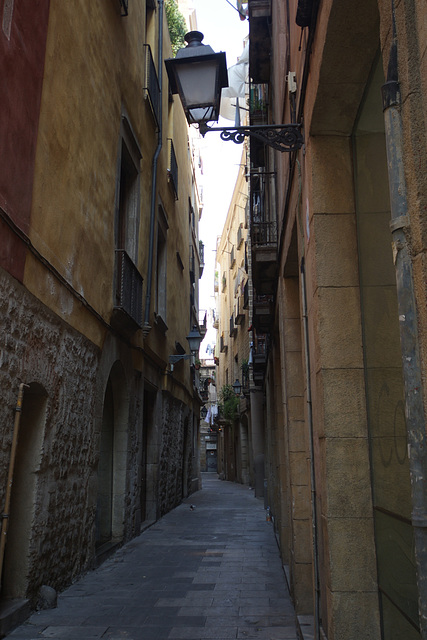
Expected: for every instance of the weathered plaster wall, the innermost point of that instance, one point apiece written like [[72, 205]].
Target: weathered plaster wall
[[22, 49]]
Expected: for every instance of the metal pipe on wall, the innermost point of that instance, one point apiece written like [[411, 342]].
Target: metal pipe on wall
[[316, 578], [409, 340], [147, 326], [6, 511]]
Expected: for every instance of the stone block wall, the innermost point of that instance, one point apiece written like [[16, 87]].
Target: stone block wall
[[56, 471], [175, 471], [41, 351]]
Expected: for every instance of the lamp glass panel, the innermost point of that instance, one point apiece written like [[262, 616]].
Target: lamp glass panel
[[202, 114], [194, 342], [198, 81]]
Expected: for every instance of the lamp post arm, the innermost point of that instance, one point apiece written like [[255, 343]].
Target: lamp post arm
[[283, 137], [176, 358]]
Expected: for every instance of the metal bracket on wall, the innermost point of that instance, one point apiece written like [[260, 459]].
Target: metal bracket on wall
[[283, 137]]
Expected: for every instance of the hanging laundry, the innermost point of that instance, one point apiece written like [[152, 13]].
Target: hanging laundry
[[243, 11], [237, 85]]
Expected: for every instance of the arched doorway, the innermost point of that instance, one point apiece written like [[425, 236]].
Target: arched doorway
[[15, 579], [112, 461]]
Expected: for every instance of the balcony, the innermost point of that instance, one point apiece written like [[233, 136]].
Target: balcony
[[233, 327], [127, 311], [192, 266], [258, 103], [173, 169], [245, 379], [263, 313], [152, 87], [239, 310], [260, 8], [259, 357], [232, 257], [223, 347], [240, 237], [216, 282], [260, 39], [246, 295], [201, 258], [203, 322], [263, 235]]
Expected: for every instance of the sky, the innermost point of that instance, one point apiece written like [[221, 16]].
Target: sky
[[223, 31]]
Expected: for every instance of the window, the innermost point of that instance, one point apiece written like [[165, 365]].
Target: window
[[124, 9], [152, 87], [161, 267], [127, 198], [128, 280]]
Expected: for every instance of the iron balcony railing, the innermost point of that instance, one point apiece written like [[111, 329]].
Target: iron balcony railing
[[258, 103], [192, 265], [201, 257], [263, 226], [128, 287], [173, 169], [245, 379], [152, 87], [239, 236], [264, 233]]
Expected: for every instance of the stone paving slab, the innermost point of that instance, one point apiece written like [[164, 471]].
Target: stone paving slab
[[209, 573]]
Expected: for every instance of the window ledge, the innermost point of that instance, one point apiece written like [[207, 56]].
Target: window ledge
[[161, 324]]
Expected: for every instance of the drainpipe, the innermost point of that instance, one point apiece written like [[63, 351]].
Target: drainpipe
[[6, 512], [415, 418], [147, 326], [312, 470]]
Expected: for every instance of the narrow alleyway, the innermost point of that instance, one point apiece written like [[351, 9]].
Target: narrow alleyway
[[211, 572]]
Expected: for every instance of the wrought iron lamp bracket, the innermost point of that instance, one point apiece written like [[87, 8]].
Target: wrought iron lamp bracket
[[283, 137]]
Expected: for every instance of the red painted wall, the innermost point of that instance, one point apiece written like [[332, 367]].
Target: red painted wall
[[23, 31]]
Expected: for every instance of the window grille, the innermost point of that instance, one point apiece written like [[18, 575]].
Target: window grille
[[128, 287]]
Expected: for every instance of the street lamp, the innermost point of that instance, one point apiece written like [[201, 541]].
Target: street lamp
[[194, 339], [198, 75], [237, 387]]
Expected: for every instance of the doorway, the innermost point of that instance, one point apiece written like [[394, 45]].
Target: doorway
[[15, 579], [112, 461]]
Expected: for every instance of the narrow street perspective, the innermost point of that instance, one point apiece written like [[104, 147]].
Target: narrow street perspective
[[209, 569], [213, 319]]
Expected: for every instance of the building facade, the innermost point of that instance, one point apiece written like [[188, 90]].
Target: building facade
[[235, 459], [338, 238], [99, 269]]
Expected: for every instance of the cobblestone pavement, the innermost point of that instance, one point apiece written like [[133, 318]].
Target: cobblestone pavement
[[208, 572]]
